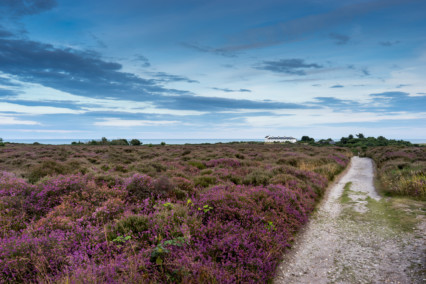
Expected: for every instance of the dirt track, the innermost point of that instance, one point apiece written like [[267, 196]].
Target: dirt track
[[349, 242]]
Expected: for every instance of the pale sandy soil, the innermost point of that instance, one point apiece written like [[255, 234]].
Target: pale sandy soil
[[336, 248]]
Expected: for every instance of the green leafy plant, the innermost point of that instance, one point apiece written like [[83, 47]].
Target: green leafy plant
[[270, 226], [206, 208]]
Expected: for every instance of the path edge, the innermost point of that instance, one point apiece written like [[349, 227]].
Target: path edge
[[300, 236]]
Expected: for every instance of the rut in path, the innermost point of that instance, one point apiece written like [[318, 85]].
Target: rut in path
[[335, 248]]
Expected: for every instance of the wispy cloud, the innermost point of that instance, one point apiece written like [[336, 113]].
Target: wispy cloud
[[389, 43], [292, 66], [117, 122], [226, 90], [336, 86], [10, 120], [339, 39], [300, 28], [207, 49], [16, 8], [164, 77], [144, 61]]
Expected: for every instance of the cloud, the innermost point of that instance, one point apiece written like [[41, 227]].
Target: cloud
[[117, 122], [144, 61], [301, 28], [402, 85], [337, 86], [187, 102], [9, 120], [98, 41], [217, 51], [164, 77], [339, 39], [365, 72], [399, 101], [7, 82], [293, 66], [25, 7], [4, 33], [336, 103], [74, 71], [226, 90], [389, 43]]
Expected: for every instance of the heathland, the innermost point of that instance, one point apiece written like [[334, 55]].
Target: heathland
[[190, 213]]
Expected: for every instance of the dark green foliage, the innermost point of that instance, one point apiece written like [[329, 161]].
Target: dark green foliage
[[204, 181], [135, 142], [46, 168], [197, 164], [131, 225], [362, 142], [257, 178], [307, 139]]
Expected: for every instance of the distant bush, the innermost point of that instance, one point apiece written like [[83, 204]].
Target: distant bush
[[135, 142], [123, 142], [1, 142]]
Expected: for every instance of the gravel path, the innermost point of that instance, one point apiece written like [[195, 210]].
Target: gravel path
[[336, 248]]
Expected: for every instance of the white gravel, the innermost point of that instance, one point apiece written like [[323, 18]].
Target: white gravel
[[336, 249]]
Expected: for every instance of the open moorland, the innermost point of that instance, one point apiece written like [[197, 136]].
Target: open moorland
[[190, 213]]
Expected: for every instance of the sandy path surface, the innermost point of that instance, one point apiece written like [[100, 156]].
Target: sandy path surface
[[335, 248]]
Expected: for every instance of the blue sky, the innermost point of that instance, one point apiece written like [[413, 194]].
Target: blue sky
[[212, 69]]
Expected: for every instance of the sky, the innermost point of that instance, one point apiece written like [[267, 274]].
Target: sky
[[192, 69]]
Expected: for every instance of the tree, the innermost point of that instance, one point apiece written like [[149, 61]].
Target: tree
[[135, 142], [1, 142], [307, 139], [360, 136]]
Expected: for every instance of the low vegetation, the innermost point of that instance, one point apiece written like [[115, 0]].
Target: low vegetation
[[401, 170], [191, 214]]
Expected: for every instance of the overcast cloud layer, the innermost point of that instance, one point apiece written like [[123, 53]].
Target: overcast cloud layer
[[212, 69]]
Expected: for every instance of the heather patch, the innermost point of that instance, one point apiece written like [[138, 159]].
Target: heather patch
[[167, 214]]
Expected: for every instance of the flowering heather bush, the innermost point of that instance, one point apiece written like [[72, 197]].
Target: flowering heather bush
[[176, 214], [223, 162], [401, 170]]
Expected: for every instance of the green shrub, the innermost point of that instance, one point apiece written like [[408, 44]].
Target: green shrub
[[197, 164], [204, 181], [133, 224], [256, 178], [46, 168]]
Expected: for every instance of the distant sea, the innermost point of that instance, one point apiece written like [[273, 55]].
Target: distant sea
[[158, 141], [144, 141]]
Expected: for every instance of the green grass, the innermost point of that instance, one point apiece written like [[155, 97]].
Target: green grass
[[397, 213], [344, 198]]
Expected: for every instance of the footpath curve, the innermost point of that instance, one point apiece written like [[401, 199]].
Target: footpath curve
[[347, 241]]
